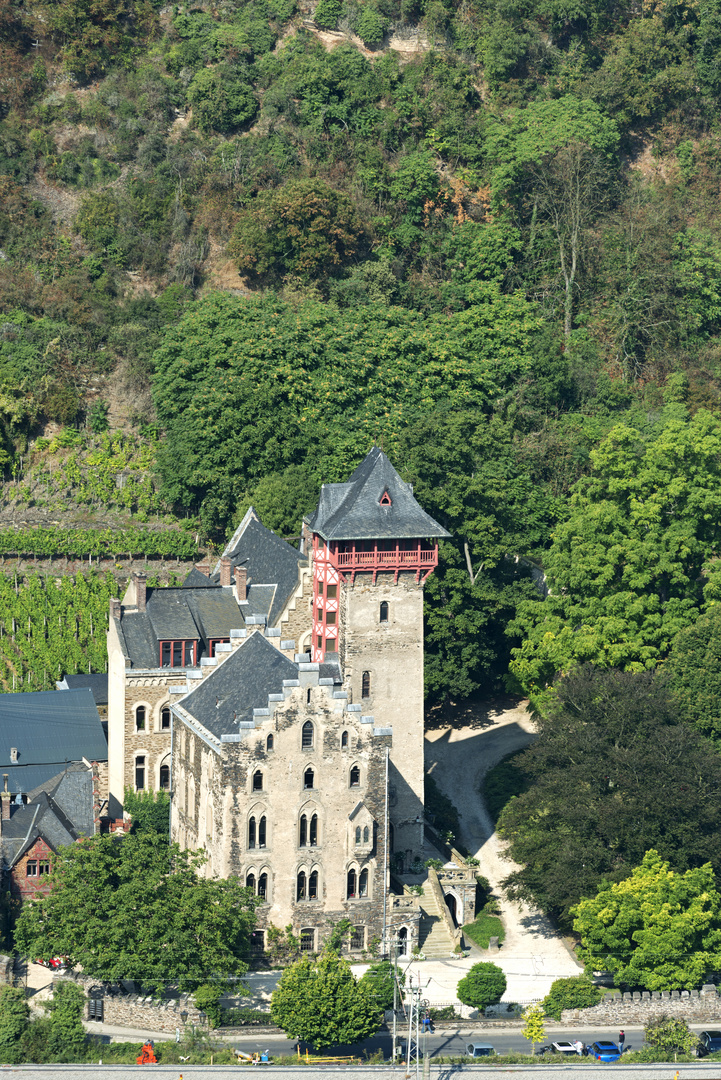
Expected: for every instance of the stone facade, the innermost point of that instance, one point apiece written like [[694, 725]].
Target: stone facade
[[640, 1008]]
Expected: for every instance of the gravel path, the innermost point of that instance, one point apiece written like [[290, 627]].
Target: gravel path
[[458, 757]]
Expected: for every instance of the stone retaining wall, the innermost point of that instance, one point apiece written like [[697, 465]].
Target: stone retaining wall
[[696, 1007], [6, 970], [136, 1011]]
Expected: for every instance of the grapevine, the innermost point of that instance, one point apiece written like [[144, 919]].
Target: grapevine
[[101, 543]]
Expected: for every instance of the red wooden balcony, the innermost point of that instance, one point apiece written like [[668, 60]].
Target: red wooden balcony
[[371, 557]]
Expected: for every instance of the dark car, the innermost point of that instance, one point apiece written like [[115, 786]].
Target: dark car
[[604, 1051], [709, 1042]]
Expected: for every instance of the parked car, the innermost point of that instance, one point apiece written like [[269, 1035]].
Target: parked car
[[709, 1042], [560, 1048], [478, 1050], [604, 1051]]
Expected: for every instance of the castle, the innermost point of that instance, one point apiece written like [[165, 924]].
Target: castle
[[280, 700]]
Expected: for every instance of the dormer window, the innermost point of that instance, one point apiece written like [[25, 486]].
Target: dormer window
[[214, 642], [385, 499], [178, 654]]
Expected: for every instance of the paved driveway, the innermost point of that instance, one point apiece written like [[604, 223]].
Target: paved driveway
[[458, 758]]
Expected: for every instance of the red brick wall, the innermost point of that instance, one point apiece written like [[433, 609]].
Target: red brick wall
[[24, 887]]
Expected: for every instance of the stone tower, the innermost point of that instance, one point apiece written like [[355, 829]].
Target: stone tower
[[373, 546]]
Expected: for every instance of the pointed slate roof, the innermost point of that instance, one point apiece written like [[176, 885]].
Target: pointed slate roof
[[373, 504], [239, 685]]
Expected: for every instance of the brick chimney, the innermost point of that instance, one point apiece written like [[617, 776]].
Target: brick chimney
[[203, 568], [5, 798], [241, 584], [115, 609], [141, 588], [225, 571]]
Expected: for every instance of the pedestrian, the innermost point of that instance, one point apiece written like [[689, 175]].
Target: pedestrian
[[427, 1022], [621, 1039], [579, 1047]]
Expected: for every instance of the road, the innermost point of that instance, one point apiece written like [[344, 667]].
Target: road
[[533, 955]]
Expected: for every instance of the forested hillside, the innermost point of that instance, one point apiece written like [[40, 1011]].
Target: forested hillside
[[242, 241]]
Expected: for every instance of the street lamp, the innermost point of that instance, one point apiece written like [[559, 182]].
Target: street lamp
[[184, 1016]]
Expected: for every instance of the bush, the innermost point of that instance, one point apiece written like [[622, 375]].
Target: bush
[[485, 984], [483, 928], [575, 993], [670, 1036], [67, 1034], [371, 26], [221, 101], [327, 13], [207, 998], [14, 1013]]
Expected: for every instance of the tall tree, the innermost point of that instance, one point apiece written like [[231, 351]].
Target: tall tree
[[136, 908], [320, 1001]]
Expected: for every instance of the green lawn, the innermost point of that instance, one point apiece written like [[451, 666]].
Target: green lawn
[[483, 928]]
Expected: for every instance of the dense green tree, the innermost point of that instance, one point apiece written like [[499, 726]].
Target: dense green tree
[[577, 992], [149, 810], [67, 1034], [612, 772], [135, 908], [670, 1034], [694, 672], [380, 979], [14, 1016], [633, 563], [658, 928], [485, 984], [222, 100], [319, 1001]]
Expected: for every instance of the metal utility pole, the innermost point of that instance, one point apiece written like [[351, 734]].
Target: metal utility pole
[[415, 1004]]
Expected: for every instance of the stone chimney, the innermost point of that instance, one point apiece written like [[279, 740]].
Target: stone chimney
[[241, 584], [5, 798], [225, 571], [203, 568], [115, 609], [141, 589]]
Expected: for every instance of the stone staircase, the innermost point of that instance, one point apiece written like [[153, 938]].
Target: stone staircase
[[435, 941]]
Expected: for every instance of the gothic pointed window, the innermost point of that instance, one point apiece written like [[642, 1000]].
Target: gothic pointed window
[[385, 499], [251, 833], [269, 742], [300, 886], [358, 834], [250, 881], [263, 886], [303, 831], [261, 831], [313, 835], [307, 736], [363, 883], [313, 885], [366, 684], [352, 885], [366, 835], [344, 739]]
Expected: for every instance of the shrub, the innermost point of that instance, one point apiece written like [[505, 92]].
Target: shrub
[[14, 1013], [67, 1034], [221, 101], [327, 13], [575, 993], [371, 26], [207, 998], [485, 984]]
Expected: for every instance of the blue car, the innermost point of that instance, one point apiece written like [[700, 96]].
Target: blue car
[[604, 1051], [709, 1042]]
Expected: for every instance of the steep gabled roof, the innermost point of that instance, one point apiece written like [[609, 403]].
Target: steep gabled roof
[[373, 504], [97, 683], [237, 686], [59, 812], [269, 561]]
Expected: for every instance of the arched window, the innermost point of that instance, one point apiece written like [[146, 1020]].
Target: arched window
[[403, 941], [366, 684], [344, 739], [355, 776], [308, 779], [164, 777], [250, 881], [363, 883], [165, 718], [257, 780], [307, 699], [251, 833], [261, 832], [384, 611], [269, 743], [313, 838], [303, 831], [300, 886], [140, 718], [313, 885], [140, 773], [209, 822], [351, 889], [366, 834], [307, 738], [263, 886], [357, 834]]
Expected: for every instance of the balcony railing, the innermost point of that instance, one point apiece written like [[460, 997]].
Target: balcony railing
[[348, 560]]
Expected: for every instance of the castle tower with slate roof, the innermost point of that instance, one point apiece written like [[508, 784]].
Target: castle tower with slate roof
[[294, 679]]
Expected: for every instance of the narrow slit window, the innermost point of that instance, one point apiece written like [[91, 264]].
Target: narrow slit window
[[384, 611], [366, 684], [351, 889], [300, 892], [303, 831], [164, 778], [140, 773], [269, 743], [307, 701], [261, 832], [358, 834], [313, 885], [363, 883], [263, 886], [308, 779], [251, 833], [344, 739], [165, 718], [313, 835]]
